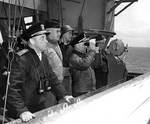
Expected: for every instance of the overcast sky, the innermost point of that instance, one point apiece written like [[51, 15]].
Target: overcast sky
[[133, 25]]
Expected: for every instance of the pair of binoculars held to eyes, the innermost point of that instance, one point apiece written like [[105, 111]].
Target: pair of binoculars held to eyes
[[82, 37], [44, 85]]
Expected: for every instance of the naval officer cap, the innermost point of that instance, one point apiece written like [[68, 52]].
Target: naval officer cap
[[34, 30], [53, 23]]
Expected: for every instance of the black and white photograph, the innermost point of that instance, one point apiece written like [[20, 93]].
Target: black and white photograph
[[74, 62]]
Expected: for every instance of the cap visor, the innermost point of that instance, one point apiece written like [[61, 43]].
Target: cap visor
[[40, 33]]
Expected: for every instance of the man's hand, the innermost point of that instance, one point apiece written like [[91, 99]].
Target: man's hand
[[92, 44], [69, 99], [26, 116]]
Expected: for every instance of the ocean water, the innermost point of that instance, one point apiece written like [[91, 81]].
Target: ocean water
[[138, 59]]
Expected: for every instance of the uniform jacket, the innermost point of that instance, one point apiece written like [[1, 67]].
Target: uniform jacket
[[100, 62], [83, 77], [55, 60], [24, 84], [100, 66], [66, 52]]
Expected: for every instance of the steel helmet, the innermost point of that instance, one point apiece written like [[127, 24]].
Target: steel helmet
[[65, 29]]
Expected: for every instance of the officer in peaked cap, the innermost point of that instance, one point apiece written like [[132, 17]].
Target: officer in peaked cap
[[34, 30], [32, 78], [53, 50], [53, 23], [53, 27]]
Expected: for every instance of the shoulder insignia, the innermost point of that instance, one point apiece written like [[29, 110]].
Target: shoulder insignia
[[21, 52]]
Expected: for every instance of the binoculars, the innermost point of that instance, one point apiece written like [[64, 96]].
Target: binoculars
[[88, 43], [83, 38], [44, 85]]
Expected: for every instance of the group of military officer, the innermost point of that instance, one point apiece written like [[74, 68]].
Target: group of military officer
[[53, 67]]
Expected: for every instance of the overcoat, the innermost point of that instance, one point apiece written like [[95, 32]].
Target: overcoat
[[83, 77], [27, 74]]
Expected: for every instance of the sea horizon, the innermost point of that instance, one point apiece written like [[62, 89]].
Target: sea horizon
[[138, 59]]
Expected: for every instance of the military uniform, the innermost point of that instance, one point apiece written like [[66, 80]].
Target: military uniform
[[83, 77], [100, 66], [28, 76], [67, 81]]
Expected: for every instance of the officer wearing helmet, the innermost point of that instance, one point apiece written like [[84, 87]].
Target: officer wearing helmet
[[66, 34], [66, 48]]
